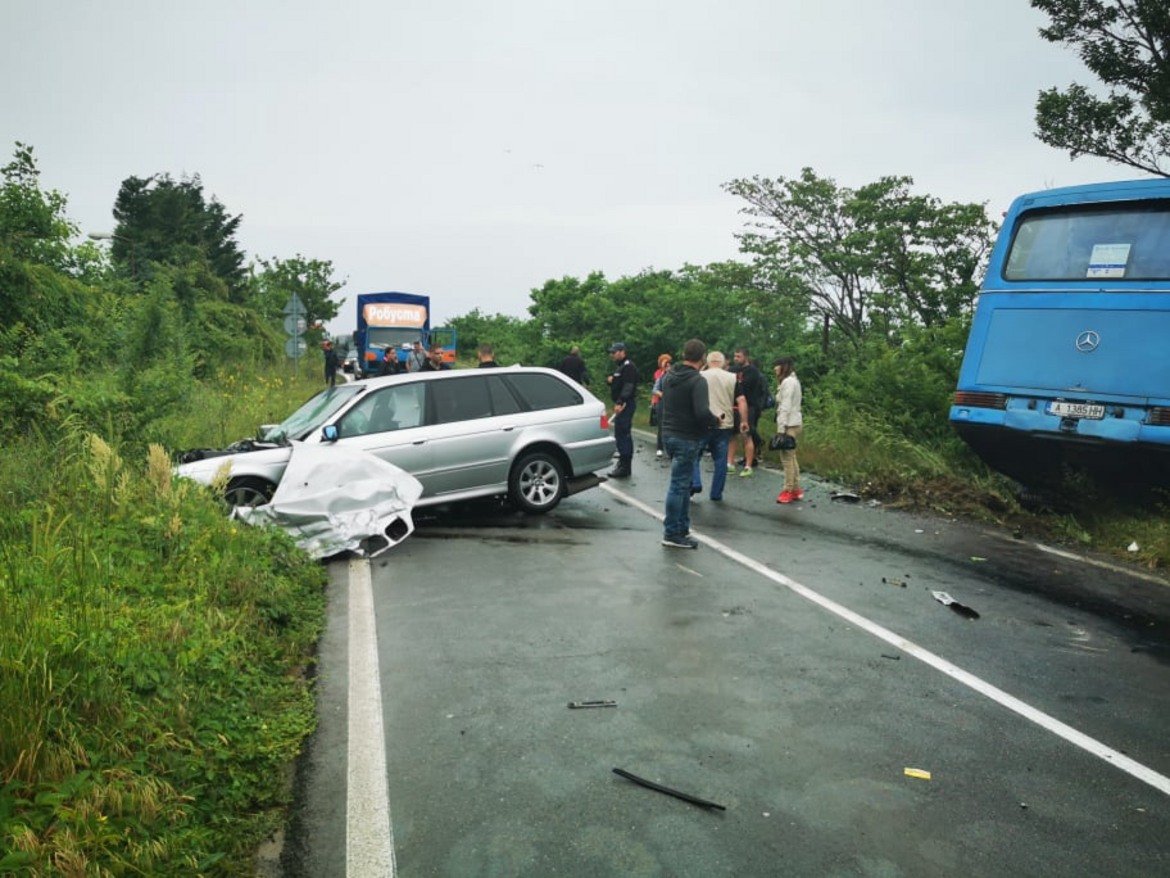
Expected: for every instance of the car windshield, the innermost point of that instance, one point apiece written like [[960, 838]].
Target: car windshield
[[312, 414]]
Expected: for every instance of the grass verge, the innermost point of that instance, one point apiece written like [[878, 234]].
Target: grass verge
[[152, 685]]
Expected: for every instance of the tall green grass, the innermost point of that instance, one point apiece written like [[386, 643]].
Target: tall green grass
[[151, 653]]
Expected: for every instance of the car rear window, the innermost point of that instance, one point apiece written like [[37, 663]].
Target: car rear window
[[460, 399], [503, 400], [543, 391]]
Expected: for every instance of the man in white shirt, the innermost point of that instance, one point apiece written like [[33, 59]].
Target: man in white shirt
[[723, 399]]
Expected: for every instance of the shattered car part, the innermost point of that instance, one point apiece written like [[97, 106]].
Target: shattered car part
[[650, 785], [334, 500], [947, 601], [579, 705]]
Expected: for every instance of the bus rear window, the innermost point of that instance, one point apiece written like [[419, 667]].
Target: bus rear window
[[1111, 242]]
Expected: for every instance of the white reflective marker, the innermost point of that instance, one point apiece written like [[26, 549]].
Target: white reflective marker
[[369, 839], [1132, 767]]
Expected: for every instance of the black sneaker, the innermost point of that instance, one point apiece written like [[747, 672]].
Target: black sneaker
[[680, 542]]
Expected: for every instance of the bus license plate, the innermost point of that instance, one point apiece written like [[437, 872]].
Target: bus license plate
[[1085, 410]]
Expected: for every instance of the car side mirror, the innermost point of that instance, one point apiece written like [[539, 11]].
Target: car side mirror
[[329, 433]]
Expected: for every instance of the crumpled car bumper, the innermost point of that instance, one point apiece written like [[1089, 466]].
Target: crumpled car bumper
[[333, 500]]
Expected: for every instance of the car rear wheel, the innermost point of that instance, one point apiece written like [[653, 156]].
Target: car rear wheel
[[537, 482], [249, 491]]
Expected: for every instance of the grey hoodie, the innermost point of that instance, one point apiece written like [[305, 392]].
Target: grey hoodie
[[686, 411]]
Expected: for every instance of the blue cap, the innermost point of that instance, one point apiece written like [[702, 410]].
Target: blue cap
[[617, 346]]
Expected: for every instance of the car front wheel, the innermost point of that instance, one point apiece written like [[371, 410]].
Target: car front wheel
[[249, 491], [537, 482]]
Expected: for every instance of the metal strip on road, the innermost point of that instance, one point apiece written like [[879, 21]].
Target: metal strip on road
[[369, 839], [1091, 745]]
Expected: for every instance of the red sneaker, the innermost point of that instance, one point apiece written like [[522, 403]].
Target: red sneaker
[[798, 494], [785, 497]]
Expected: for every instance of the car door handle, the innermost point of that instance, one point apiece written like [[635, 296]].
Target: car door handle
[[508, 429], [419, 442]]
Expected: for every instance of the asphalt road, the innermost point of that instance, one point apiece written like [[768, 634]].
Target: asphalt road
[[740, 677]]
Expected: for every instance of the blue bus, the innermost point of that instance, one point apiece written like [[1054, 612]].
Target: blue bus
[[1068, 360]]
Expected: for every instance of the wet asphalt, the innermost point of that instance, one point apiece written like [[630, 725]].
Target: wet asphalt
[[732, 687]]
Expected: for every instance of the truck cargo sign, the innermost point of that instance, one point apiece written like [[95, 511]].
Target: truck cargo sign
[[394, 314]]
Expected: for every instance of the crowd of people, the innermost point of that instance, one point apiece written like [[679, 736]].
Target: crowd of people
[[705, 405], [701, 405]]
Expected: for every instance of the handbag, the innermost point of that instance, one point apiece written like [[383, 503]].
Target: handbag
[[782, 442], [654, 415]]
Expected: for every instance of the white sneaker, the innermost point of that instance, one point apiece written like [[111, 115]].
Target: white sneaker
[[659, 453]]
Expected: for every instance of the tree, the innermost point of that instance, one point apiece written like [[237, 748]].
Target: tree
[[1126, 44], [311, 279], [875, 258], [160, 220], [33, 225]]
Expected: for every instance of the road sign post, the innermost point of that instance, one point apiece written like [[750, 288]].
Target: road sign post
[[294, 324]]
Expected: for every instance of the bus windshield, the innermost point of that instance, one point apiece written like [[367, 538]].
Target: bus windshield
[[392, 337], [1116, 242]]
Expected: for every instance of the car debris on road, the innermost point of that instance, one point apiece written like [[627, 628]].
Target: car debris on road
[[650, 785], [947, 601]]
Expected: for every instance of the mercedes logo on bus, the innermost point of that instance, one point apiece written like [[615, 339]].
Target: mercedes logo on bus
[[1087, 341]]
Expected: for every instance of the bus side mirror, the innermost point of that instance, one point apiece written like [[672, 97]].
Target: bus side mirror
[[329, 433]]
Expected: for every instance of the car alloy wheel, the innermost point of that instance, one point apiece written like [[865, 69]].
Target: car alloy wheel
[[537, 482], [248, 491]]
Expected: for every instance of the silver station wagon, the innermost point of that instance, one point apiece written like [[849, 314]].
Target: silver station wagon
[[531, 434]]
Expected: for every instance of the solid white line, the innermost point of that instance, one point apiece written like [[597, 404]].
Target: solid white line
[[369, 839], [1104, 565], [1091, 745]]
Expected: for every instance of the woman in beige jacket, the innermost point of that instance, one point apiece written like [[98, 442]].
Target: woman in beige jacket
[[788, 422]]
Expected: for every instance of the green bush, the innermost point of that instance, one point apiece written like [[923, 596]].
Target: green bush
[[148, 671]]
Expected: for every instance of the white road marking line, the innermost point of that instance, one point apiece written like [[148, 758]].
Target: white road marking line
[[369, 839], [1104, 565], [1091, 745]]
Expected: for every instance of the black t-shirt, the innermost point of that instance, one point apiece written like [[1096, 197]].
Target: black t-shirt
[[750, 384]]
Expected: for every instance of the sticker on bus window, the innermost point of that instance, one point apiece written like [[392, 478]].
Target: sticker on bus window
[[1108, 260]]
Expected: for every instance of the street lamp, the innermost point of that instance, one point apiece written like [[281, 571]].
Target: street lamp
[[110, 236]]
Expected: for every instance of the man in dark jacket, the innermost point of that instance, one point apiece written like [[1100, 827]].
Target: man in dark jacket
[[487, 357], [623, 387], [573, 366], [686, 418], [332, 362]]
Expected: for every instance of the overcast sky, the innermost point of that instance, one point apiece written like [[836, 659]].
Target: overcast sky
[[472, 150]]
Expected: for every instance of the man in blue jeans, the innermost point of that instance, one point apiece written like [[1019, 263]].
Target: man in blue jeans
[[686, 418], [726, 401]]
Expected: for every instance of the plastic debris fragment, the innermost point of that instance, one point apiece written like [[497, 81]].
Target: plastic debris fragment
[[947, 601], [650, 785], [919, 773]]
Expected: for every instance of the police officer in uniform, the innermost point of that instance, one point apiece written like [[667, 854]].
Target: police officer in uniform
[[623, 385]]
